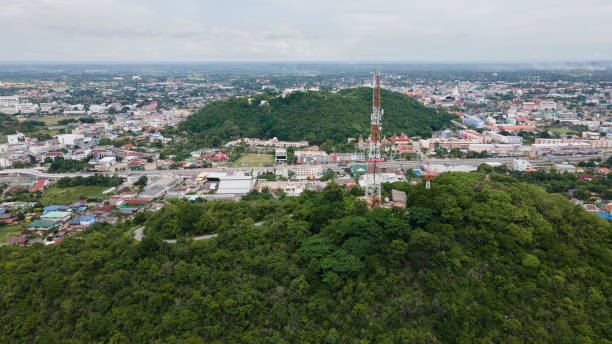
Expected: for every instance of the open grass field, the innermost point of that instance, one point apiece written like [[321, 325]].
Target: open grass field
[[57, 195], [8, 231], [52, 120], [252, 159], [562, 131]]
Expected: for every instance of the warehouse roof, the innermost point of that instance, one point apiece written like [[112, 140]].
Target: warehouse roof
[[235, 185]]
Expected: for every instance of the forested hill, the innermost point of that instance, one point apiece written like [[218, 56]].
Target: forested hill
[[315, 116], [474, 259]]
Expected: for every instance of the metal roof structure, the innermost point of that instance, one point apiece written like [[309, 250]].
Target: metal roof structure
[[240, 185]]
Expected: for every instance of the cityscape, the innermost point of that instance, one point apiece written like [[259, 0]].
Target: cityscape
[[249, 198]]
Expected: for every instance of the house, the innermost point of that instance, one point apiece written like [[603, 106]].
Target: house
[[219, 156], [42, 225], [398, 198], [15, 139], [101, 153], [54, 208], [359, 169], [311, 157], [105, 209], [586, 176], [591, 208], [565, 168], [17, 241], [40, 185], [84, 221], [57, 216], [136, 164], [109, 160], [135, 203], [8, 218], [52, 155], [80, 155], [127, 211]]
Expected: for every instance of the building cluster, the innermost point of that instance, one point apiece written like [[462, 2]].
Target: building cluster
[[273, 142], [575, 116]]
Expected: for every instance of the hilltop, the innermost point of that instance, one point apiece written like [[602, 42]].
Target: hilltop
[[315, 116], [471, 260]]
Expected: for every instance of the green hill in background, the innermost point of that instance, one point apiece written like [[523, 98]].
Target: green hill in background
[[314, 116], [471, 260]]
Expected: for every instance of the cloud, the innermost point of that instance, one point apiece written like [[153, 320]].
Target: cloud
[[192, 30]]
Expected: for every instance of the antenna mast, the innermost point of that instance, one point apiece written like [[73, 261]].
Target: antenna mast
[[373, 159]]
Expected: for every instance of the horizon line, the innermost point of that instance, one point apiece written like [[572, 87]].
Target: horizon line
[[357, 62]]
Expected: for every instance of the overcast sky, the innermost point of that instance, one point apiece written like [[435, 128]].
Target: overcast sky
[[310, 30]]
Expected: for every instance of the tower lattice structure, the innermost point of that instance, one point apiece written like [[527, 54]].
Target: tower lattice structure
[[373, 159]]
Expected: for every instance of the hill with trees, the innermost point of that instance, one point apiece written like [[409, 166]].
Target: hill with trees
[[478, 258], [316, 116]]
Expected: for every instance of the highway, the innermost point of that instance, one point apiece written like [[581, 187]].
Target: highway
[[39, 172]]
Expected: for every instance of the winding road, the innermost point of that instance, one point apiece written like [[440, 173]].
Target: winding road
[[138, 235]]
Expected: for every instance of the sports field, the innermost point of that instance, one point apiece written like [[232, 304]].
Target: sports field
[[252, 159]]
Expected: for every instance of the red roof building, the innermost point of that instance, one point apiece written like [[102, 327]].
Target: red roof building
[[40, 185]]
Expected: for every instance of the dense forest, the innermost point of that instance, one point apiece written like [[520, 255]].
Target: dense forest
[[314, 116], [478, 258]]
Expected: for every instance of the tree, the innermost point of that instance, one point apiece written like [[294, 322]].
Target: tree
[[142, 181], [328, 175]]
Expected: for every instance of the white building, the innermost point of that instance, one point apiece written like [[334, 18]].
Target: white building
[[9, 104], [302, 171], [499, 138], [590, 135], [548, 106], [71, 139], [80, 154], [109, 161], [280, 155], [237, 185], [97, 108], [15, 139], [521, 165], [28, 108]]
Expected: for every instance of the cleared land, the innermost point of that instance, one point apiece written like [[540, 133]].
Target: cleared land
[[52, 120], [253, 159], [57, 195], [8, 231]]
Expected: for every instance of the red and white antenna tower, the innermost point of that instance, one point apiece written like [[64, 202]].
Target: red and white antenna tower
[[429, 174], [373, 158]]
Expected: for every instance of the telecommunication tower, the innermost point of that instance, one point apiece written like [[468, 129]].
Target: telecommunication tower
[[429, 174], [373, 158]]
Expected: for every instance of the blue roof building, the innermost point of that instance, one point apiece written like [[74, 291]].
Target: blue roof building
[[606, 216], [54, 208], [86, 220], [474, 121]]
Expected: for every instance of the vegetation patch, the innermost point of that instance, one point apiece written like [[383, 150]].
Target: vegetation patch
[[65, 195], [253, 159], [471, 260], [322, 118], [7, 231]]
